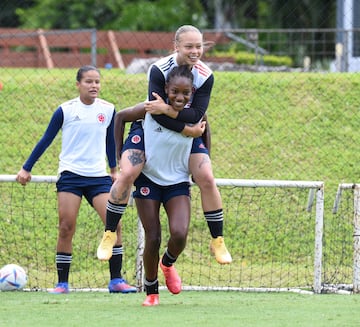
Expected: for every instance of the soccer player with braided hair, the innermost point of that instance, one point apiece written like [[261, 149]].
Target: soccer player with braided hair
[[164, 180]]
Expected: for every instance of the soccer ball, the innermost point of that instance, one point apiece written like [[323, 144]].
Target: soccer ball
[[12, 277]]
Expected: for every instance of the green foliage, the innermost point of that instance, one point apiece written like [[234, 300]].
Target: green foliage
[[241, 56], [116, 15], [159, 15], [258, 59], [67, 14], [166, 15]]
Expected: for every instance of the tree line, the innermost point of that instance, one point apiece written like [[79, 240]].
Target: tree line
[[164, 15]]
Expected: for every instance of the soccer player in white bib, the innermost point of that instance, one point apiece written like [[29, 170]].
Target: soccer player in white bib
[[164, 180], [188, 51], [87, 125]]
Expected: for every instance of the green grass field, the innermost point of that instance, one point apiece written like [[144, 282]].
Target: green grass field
[[295, 126], [37, 309]]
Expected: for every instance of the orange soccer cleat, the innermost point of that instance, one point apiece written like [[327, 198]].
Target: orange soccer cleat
[[172, 279], [151, 300]]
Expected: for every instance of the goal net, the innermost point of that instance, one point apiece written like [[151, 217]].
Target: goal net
[[273, 230], [341, 263]]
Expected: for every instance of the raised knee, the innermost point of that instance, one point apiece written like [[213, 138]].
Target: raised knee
[[179, 237], [127, 177]]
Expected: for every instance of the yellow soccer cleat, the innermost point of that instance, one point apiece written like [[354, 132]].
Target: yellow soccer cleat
[[219, 250], [104, 251]]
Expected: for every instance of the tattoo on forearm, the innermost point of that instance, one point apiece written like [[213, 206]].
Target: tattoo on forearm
[[136, 157]]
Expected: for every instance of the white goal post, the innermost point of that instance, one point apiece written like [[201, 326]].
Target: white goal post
[[257, 221], [355, 188], [314, 187]]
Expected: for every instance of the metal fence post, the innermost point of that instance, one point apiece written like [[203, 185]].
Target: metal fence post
[[93, 47]]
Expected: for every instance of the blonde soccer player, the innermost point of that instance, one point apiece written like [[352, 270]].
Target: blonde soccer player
[[189, 47]]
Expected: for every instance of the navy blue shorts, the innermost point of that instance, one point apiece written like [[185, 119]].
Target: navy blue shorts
[[146, 189], [135, 140], [89, 187], [198, 146]]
